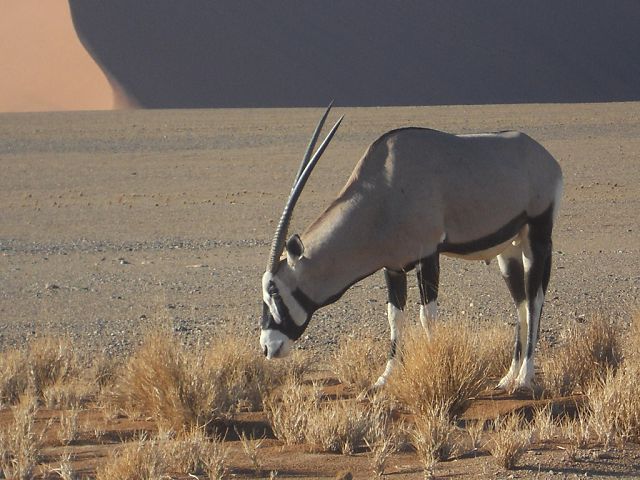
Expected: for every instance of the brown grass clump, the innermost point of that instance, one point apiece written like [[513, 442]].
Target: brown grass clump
[[586, 355], [338, 427], [431, 436], [69, 430], [183, 389], [631, 343], [251, 446], [447, 369], [384, 437], [288, 410], [495, 348], [576, 432], [190, 454], [159, 382], [43, 364], [509, 441], [614, 406], [19, 444], [141, 460], [359, 361], [298, 414]]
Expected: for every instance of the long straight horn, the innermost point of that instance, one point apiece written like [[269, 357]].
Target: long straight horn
[[277, 245], [312, 144]]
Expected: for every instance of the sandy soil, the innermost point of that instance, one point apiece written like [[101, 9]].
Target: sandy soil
[[112, 222]]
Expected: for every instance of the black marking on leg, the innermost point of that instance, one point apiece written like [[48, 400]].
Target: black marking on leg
[[540, 244], [514, 278], [517, 350], [547, 269], [396, 288], [393, 349], [429, 278]]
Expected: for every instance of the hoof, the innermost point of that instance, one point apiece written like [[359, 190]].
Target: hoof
[[500, 389]]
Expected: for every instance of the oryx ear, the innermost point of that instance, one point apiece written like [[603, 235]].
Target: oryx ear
[[295, 249]]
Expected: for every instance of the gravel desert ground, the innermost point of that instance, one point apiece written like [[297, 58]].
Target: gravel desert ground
[[115, 223], [112, 221]]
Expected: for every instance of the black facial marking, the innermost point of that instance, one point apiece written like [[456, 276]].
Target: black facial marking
[[287, 326]]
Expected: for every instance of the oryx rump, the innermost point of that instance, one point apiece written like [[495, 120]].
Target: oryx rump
[[415, 194]]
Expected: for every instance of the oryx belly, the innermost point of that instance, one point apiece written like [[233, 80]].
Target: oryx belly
[[486, 254]]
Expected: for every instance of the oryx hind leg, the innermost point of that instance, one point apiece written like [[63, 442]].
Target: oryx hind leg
[[397, 299], [512, 270], [428, 272], [536, 258]]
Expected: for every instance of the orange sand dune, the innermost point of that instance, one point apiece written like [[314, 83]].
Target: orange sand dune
[[43, 65]]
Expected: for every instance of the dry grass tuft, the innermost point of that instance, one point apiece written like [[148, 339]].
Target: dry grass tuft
[[614, 406], [447, 369], [71, 394], [431, 436], [495, 347], [19, 444], [182, 389], [509, 441], [543, 426], [586, 355], [298, 415], [14, 376], [576, 432], [631, 343], [358, 361], [65, 470], [288, 410], [159, 382], [339, 427], [69, 430], [384, 437], [141, 460], [250, 446], [44, 363], [475, 432], [190, 454], [381, 449]]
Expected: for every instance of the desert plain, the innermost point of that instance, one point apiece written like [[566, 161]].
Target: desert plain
[[115, 223]]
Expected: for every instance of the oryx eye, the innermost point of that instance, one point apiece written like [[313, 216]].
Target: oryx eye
[[272, 290]]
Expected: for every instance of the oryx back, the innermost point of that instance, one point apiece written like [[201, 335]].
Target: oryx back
[[418, 190]]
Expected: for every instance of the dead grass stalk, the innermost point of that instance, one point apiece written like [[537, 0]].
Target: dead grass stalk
[[510, 440]]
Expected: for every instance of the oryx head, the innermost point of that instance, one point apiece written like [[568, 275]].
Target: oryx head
[[286, 309]]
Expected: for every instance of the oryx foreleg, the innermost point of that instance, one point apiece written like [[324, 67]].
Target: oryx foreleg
[[536, 257], [512, 269], [397, 299], [428, 272]]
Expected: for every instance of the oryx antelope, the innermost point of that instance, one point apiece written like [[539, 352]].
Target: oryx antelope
[[415, 194]]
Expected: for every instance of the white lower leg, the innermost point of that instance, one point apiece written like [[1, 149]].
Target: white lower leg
[[508, 381], [527, 370], [396, 321], [428, 314]]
